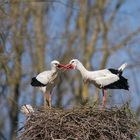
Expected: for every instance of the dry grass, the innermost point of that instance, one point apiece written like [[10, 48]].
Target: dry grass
[[80, 124]]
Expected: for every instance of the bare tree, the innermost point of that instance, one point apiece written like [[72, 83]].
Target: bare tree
[[29, 39]]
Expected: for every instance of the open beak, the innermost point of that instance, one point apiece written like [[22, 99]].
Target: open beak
[[69, 66], [65, 67], [61, 66]]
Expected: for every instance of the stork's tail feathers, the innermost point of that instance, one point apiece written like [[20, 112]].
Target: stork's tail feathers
[[121, 68]]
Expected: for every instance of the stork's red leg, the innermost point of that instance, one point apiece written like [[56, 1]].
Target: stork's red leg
[[104, 98]]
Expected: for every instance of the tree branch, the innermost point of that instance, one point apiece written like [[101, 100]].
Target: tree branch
[[124, 41], [113, 14]]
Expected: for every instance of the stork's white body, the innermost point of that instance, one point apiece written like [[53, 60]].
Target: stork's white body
[[99, 78], [46, 81], [104, 79], [48, 78]]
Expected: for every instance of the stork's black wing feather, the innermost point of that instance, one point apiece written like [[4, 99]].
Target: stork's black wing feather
[[36, 83]]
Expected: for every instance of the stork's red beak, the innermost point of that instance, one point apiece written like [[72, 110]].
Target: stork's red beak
[[69, 66], [65, 67], [61, 66]]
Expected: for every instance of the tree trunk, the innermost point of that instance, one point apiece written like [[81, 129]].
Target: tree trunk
[[14, 112]]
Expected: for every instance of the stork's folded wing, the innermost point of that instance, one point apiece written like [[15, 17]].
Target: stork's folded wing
[[44, 77], [106, 80]]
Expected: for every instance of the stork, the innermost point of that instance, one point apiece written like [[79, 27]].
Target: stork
[[47, 80], [102, 79]]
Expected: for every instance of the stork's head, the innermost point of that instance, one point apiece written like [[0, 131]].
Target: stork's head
[[73, 64], [56, 65]]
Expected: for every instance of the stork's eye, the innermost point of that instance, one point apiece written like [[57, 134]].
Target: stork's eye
[[55, 64], [72, 61]]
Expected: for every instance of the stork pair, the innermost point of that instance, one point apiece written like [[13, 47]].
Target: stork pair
[[103, 79]]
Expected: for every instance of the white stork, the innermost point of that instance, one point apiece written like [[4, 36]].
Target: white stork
[[47, 80], [103, 79]]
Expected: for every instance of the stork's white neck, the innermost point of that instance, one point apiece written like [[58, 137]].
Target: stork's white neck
[[53, 69], [82, 69]]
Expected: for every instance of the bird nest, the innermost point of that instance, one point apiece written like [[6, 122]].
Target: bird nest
[[83, 123]]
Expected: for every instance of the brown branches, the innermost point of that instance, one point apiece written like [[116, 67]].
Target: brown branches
[[114, 12], [80, 124], [123, 43]]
